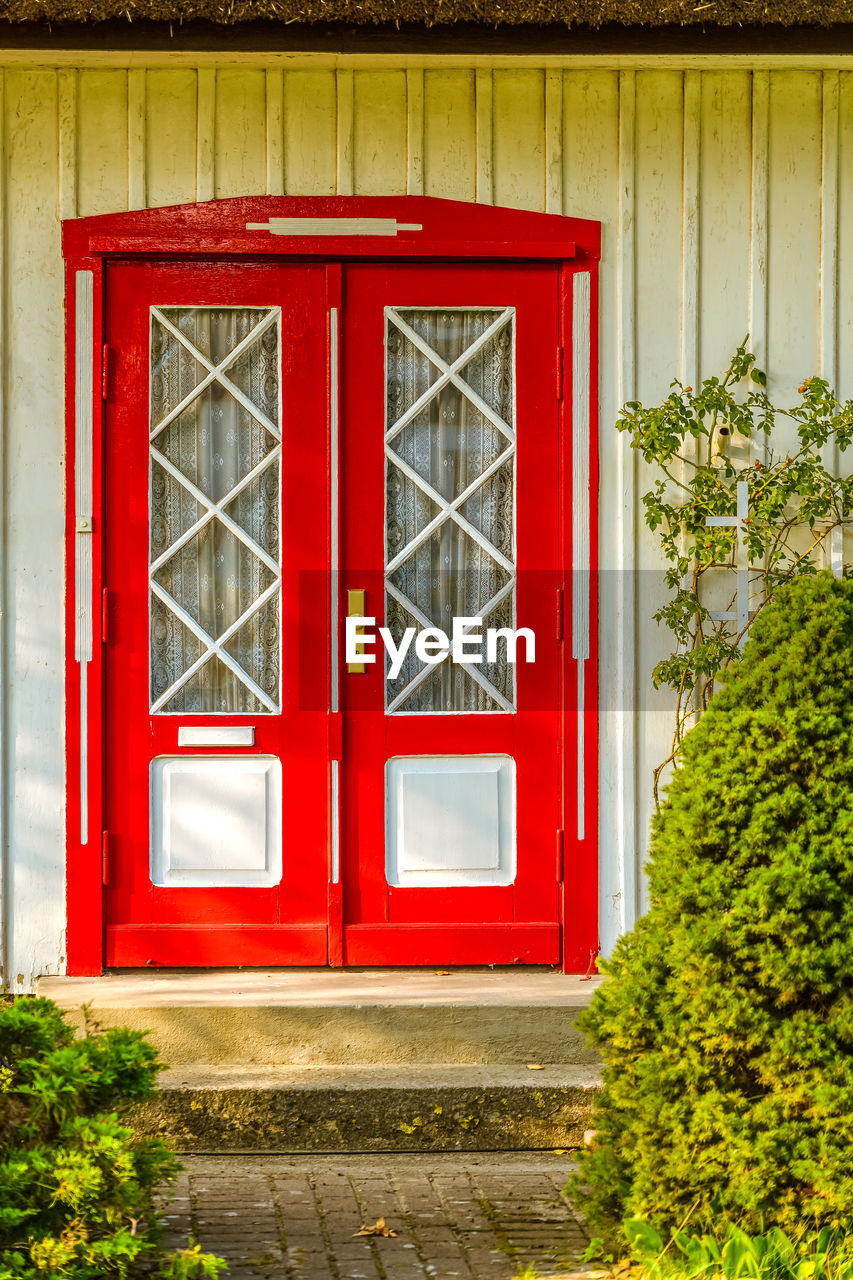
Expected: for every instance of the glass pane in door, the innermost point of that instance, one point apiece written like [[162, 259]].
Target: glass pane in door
[[449, 507], [215, 497]]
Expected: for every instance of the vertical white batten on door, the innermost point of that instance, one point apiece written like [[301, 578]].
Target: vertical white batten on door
[[345, 132], [137, 197], [275, 131], [67, 128], [83, 409], [334, 572], [334, 500], [580, 515], [485, 183], [205, 165], [415, 131]]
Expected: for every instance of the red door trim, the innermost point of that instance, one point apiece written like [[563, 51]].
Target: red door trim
[[336, 917], [417, 944], [86, 866], [579, 857], [448, 229], [213, 945]]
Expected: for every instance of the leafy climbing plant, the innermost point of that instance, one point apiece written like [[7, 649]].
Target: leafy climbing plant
[[700, 445]]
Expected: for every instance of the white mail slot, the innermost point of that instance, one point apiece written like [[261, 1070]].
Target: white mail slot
[[216, 735]]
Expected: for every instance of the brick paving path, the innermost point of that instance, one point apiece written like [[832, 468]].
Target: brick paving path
[[457, 1216]]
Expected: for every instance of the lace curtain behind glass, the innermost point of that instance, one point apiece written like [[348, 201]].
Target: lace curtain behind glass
[[450, 471], [220, 450]]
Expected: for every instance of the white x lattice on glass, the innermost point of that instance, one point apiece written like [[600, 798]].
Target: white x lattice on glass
[[214, 646], [448, 509]]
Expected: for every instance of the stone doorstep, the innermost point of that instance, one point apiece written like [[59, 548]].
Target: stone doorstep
[[347, 1060], [328, 1017], [429, 1109], [315, 987]]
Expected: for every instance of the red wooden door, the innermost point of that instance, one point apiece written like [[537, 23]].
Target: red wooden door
[[216, 511], [451, 507]]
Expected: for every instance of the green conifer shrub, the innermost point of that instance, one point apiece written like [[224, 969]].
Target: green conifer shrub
[[726, 1019], [76, 1185]]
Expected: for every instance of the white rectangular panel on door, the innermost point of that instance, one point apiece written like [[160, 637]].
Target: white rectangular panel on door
[[216, 820], [450, 820]]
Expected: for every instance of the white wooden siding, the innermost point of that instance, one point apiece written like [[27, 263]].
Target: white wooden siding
[[724, 191]]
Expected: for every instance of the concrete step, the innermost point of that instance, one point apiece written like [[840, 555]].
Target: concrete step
[[355, 1060], [372, 1109], [328, 1017]]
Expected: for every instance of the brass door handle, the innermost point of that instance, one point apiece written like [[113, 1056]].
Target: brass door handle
[[356, 609]]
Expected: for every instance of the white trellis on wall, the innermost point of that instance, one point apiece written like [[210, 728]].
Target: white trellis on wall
[[742, 614]]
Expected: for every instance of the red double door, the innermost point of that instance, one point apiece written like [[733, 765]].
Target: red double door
[[279, 437]]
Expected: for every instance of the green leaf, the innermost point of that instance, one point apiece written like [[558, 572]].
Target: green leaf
[[644, 1240]]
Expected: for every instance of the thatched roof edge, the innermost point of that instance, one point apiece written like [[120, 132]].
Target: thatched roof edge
[[432, 13]]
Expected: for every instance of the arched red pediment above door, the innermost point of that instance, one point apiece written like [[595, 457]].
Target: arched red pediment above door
[[339, 226]]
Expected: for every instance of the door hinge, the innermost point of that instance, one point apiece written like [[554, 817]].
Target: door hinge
[[560, 855], [105, 857], [559, 373], [105, 617], [105, 372], [560, 608]]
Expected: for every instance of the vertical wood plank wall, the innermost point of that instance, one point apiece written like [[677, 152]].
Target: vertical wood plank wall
[[725, 198]]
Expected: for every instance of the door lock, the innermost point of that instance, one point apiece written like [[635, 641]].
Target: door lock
[[355, 609]]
